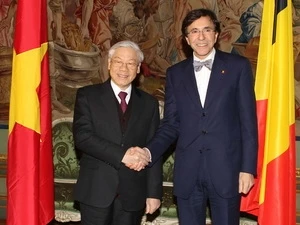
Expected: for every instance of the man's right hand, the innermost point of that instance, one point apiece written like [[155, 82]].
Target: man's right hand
[[136, 158]]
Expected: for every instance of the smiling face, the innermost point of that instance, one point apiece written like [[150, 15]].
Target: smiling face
[[202, 42], [123, 66]]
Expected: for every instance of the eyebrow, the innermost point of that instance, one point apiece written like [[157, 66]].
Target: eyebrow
[[117, 57], [202, 28]]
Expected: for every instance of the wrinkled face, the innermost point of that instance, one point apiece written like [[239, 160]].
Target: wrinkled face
[[123, 67], [202, 36]]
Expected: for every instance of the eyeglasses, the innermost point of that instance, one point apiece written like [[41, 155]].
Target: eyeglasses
[[129, 65], [205, 31]]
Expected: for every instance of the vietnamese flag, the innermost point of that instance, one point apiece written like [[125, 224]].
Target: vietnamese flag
[[273, 198], [30, 183]]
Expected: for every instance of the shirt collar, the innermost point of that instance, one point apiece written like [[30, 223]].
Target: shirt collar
[[117, 90]]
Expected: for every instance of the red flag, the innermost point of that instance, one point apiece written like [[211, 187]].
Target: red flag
[[30, 169], [273, 198]]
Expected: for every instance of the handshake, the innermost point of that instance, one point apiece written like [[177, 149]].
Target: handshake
[[136, 158]]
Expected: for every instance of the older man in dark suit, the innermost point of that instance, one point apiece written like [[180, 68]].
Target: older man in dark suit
[[108, 119]]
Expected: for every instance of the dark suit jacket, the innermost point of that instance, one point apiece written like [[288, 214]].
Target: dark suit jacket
[[98, 137], [225, 129]]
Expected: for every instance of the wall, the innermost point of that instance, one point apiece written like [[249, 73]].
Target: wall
[[78, 53]]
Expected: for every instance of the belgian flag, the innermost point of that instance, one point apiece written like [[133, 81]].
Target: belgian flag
[[273, 198]]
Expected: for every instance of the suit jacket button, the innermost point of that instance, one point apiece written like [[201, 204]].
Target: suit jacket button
[[204, 132], [203, 114]]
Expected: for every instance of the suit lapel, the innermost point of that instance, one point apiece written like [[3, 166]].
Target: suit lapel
[[136, 108], [216, 79], [189, 81], [108, 98]]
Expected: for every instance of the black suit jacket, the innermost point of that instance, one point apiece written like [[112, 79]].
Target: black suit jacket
[[99, 138], [224, 129]]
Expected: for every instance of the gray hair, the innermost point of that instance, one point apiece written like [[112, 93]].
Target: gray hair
[[126, 44]]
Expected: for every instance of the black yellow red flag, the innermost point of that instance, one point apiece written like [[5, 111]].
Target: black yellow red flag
[[273, 198]]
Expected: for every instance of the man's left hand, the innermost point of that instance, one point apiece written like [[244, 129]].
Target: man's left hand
[[246, 181], [152, 204]]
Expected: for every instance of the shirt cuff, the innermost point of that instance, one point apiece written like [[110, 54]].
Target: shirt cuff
[[150, 156]]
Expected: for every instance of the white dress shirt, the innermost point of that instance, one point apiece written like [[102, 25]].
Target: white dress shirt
[[202, 77], [117, 90]]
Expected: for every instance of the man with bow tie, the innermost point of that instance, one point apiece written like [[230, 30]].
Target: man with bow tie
[[210, 109]]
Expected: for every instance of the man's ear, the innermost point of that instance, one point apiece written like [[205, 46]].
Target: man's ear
[[187, 40], [108, 64], [138, 68]]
